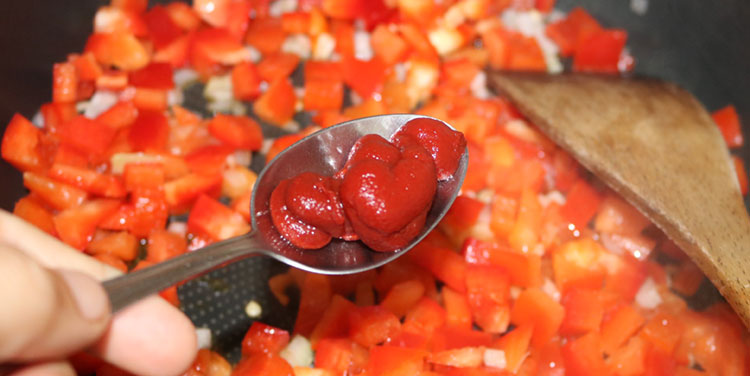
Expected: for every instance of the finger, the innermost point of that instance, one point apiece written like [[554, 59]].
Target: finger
[[47, 250], [46, 369], [150, 337], [54, 312]]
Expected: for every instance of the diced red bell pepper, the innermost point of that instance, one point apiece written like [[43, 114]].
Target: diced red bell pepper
[[119, 116], [122, 245], [212, 47], [663, 331], [620, 326], [210, 218], [340, 356], [534, 307], [445, 264], [118, 264], [488, 292], [143, 176], [266, 35], [403, 296], [573, 30], [210, 159], [345, 10], [153, 76], [55, 114], [75, 226], [583, 311], [466, 357], [601, 52], [629, 359], [512, 50], [104, 185], [524, 269], [583, 356], [161, 27], [581, 204], [451, 337], [323, 70], [64, 83], [741, 171], [400, 271], [334, 321], [147, 210], [463, 214], [240, 132], [524, 235], [729, 125], [395, 361], [183, 15], [263, 365], [163, 245], [515, 344], [315, 295], [388, 45], [89, 136], [265, 339], [150, 99], [372, 325], [214, 12], [295, 22], [626, 279], [35, 213], [687, 279], [323, 94], [245, 81], [576, 263], [149, 132], [58, 195], [277, 66], [86, 66], [20, 145], [184, 190], [343, 33], [425, 317], [364, 77], [66, 155], [121, 50], [457, 310], [276, 105]]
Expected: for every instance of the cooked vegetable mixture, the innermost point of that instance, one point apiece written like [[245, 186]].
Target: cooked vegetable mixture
[[538, 269]]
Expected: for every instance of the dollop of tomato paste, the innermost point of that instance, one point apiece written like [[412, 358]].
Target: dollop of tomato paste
[[381, 196]]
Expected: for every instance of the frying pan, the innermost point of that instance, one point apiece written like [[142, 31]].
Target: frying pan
[[701, 45]]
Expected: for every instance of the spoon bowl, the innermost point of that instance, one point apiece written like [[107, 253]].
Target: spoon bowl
[[324, 152]]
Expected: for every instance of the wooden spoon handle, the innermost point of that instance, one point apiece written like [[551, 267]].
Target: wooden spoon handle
[[657, 146]]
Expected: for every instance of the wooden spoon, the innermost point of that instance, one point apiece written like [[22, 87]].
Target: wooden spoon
[[656, 145]]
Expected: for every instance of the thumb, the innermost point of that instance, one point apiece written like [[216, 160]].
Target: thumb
[[51, 314]]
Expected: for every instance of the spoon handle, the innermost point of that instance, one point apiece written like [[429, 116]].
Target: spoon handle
[[129, 288]]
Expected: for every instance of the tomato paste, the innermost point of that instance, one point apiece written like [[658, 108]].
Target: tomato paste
[[381, 196]]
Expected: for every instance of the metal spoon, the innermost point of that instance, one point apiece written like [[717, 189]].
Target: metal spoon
[[323, 152]]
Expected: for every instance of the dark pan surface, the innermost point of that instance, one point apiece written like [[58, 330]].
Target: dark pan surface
[[701, 45]]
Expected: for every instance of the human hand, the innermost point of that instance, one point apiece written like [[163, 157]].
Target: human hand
[[55, 307]]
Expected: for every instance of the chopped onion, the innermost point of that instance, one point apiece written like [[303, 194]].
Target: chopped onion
[[325, 44], [298, 352], [297, 44], [551, 290], [184, 76], [101, 101], [204, 337], [494, 358], [253, 309], [478, 86], [648, 295], [362, 47]]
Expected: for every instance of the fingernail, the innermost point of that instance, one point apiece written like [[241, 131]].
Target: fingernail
[[88, 294]]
